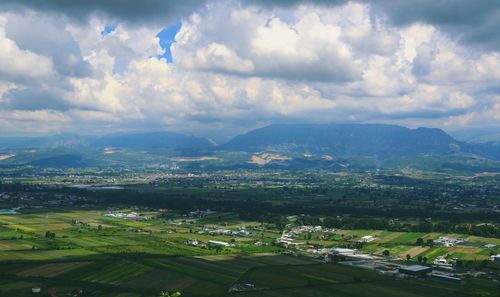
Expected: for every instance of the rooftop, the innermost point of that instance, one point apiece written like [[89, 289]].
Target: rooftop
[[415, 268]]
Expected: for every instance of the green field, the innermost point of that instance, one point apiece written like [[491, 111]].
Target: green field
[[138, 259]]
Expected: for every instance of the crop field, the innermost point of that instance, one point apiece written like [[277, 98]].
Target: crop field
[[53, 269], [400, 244], [116, 257], [109, 272]]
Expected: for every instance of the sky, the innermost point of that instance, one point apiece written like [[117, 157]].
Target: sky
[[220, 68]]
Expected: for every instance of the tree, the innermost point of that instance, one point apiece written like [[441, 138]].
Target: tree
[[420, 241], [420, 259], [167, 294], [99, 228], [386, 253], [424, 259], [49, 234], [430, 242], [408, 257]]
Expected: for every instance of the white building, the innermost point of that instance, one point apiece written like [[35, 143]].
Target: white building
[[243, 233], [192, 242], [495, 258], [449, 241], [215, 243], [343, 252], [367, 238]]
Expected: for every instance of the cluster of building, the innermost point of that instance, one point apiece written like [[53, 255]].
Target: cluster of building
[[227, 232], [201, 213], [309, 229], [126, 216], [210, 243], [449, 241], [287, 237], [396, 270], [429, 272]]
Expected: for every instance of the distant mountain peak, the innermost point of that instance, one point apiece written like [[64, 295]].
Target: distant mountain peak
[[377, 140]]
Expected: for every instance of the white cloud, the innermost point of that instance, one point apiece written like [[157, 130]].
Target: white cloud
[[243, 66], [19, 64], [218, 57]]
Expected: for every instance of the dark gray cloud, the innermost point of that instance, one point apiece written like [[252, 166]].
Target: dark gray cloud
[[473, 22], [33, 99], [45, 36], [127, 10]]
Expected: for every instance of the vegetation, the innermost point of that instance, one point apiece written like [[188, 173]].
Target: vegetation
[[63, 236]]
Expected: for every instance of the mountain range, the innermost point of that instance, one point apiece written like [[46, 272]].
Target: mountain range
[[344, 140], [375, 140]]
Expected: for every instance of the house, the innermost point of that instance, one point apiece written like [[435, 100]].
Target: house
[[221, 232], [192, 242], [343, 252], [367, 238], [126, 216], [243, 233], [242, 287], [449, 241], [442, 264], [36, 289], [446, 278], [490, 246], [215, 243], [415, 270], [440, 261], [495, 258], [283, 241]]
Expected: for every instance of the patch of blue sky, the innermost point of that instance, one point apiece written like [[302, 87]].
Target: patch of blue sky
[[167, 37], [108, 29]]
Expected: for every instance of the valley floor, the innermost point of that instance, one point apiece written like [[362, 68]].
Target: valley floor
[[106, 256]]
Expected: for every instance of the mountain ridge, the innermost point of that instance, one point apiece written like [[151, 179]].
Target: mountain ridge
[[377, 140], [345, 140]]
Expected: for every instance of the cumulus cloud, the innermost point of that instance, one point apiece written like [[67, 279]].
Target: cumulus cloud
[[16, 63], [238, 65], [47, 36], [306, 47]]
